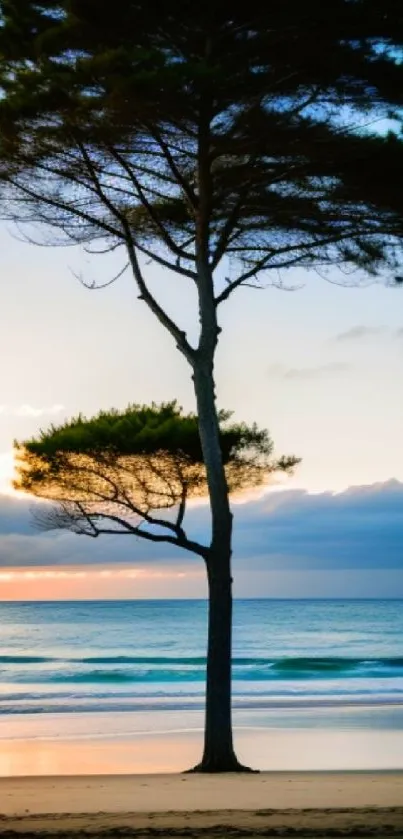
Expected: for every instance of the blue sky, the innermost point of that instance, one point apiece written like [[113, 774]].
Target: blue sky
[[320, 366]]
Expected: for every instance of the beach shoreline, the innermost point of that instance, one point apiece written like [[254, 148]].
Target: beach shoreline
[[305, 803], [98, 720], [351, 739]]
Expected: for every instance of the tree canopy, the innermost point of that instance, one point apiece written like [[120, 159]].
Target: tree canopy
[[111, 473], [255, 135]]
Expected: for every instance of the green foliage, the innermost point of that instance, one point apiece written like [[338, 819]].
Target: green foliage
[[144, 430], [124, 464]]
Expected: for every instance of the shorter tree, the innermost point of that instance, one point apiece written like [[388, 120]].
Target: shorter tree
[[133, 472]]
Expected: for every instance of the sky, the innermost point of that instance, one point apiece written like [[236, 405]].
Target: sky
[[320, 366]]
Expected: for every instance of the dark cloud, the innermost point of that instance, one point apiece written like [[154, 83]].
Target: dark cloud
[[358, 333], [22, 545], [360, 529], [15, 515], [317, 372]]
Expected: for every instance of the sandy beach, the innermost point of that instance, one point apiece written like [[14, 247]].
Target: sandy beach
[[310, 804], [282, 740], [322, 781]]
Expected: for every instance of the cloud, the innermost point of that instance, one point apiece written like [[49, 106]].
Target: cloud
[[321, 370], [290, 532], [359, 333], [361, 529], [30, 411]]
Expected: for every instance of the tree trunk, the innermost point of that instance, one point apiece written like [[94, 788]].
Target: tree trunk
[[218, 755]]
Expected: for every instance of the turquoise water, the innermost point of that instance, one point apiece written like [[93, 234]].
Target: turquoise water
[[145, 655]]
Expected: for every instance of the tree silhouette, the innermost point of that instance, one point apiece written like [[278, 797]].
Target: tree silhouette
[[109, 474], [224, 144]]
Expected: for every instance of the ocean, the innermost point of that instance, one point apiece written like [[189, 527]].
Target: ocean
[[116, 656]]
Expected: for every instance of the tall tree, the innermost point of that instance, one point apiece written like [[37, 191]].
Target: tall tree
[[207, 138]]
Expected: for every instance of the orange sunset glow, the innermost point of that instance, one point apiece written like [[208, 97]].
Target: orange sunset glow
[[75, 583]]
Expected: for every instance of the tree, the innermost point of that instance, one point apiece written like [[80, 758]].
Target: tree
[[110, 473], [224, 144], [122, 473]]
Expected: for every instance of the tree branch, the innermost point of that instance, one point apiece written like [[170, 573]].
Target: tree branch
[[260, 265], [97, 184], [98, 286], [186, 188], [145, 294], [227, 229], [177, 269], [180, 542], [181, 509], [170, 243], [153, 520], [263, 263], [59, 205]]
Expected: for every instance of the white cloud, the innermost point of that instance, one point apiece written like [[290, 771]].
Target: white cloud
[[30, 411], [358, 333], [331, 368]]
